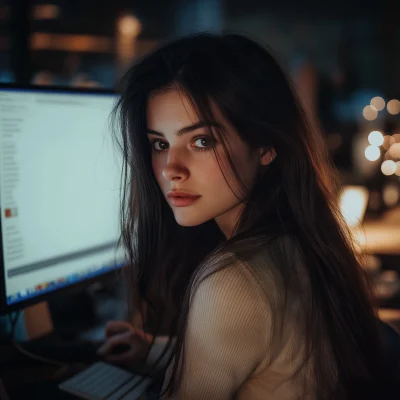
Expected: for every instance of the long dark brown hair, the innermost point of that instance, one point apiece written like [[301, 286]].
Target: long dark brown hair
[[295, 195]]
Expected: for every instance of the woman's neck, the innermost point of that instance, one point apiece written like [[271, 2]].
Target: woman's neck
[[227, 221]]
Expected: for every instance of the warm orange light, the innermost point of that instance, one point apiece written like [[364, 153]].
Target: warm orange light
[[394, 150], [388, 141], [388, 167], [370, 113], [129, 25], [393, 107], [391, 195], [378, 102], [45, 11], [397, 172], [76, 43]]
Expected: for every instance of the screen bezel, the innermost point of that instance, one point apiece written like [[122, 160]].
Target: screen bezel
[[104, 277]]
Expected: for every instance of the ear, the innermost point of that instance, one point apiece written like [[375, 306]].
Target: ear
[[267, 155]]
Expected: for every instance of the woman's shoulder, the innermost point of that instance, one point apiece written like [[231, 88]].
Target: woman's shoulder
[[265, 252], [249, 247], [265, 278], [256, 263]]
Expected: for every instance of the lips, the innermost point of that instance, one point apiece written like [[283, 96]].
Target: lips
[[182, 194], [179, 198]]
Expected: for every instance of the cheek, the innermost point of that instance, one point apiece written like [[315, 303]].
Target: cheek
[[247, 166], [158, 166], [243, 180], [214, 167], [214, 172]]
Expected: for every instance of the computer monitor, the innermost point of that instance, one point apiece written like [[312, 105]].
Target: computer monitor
[[59, 191]]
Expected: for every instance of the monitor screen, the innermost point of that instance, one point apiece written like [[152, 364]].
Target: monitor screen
[[59, 190]]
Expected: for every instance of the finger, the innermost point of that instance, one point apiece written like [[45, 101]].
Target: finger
[[115, 327], [116, 340], [142, 334]]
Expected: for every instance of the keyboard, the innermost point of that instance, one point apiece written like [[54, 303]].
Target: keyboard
[[102, 381]]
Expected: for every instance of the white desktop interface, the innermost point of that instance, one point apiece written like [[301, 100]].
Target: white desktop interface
[[59, 189]]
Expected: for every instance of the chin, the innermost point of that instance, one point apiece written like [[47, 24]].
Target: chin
[[189, 221]]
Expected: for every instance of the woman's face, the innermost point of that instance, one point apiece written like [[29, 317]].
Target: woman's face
[[183, 159]]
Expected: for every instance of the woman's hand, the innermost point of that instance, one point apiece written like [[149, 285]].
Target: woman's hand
[[124, 344]]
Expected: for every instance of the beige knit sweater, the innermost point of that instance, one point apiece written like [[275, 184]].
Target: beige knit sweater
[[245, 338]]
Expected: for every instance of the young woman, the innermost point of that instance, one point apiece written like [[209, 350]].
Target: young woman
[[239, 255]]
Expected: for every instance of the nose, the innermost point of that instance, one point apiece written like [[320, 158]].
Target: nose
[[175, 170]]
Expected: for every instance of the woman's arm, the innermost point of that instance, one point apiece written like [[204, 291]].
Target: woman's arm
[[227, 336]]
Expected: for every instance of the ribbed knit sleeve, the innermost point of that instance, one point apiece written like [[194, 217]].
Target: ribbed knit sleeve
[[227, 337], [247, 326]]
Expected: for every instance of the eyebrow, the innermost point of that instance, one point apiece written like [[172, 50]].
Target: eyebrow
[[188, 129]]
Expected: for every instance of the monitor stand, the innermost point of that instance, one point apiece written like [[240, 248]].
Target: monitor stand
[[38, 322]]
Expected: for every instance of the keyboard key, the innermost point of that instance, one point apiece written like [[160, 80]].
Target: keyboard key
[[103, 381], [131, 390]]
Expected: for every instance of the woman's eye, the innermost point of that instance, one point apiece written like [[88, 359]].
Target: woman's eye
[[158, 145], [203, 142]]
